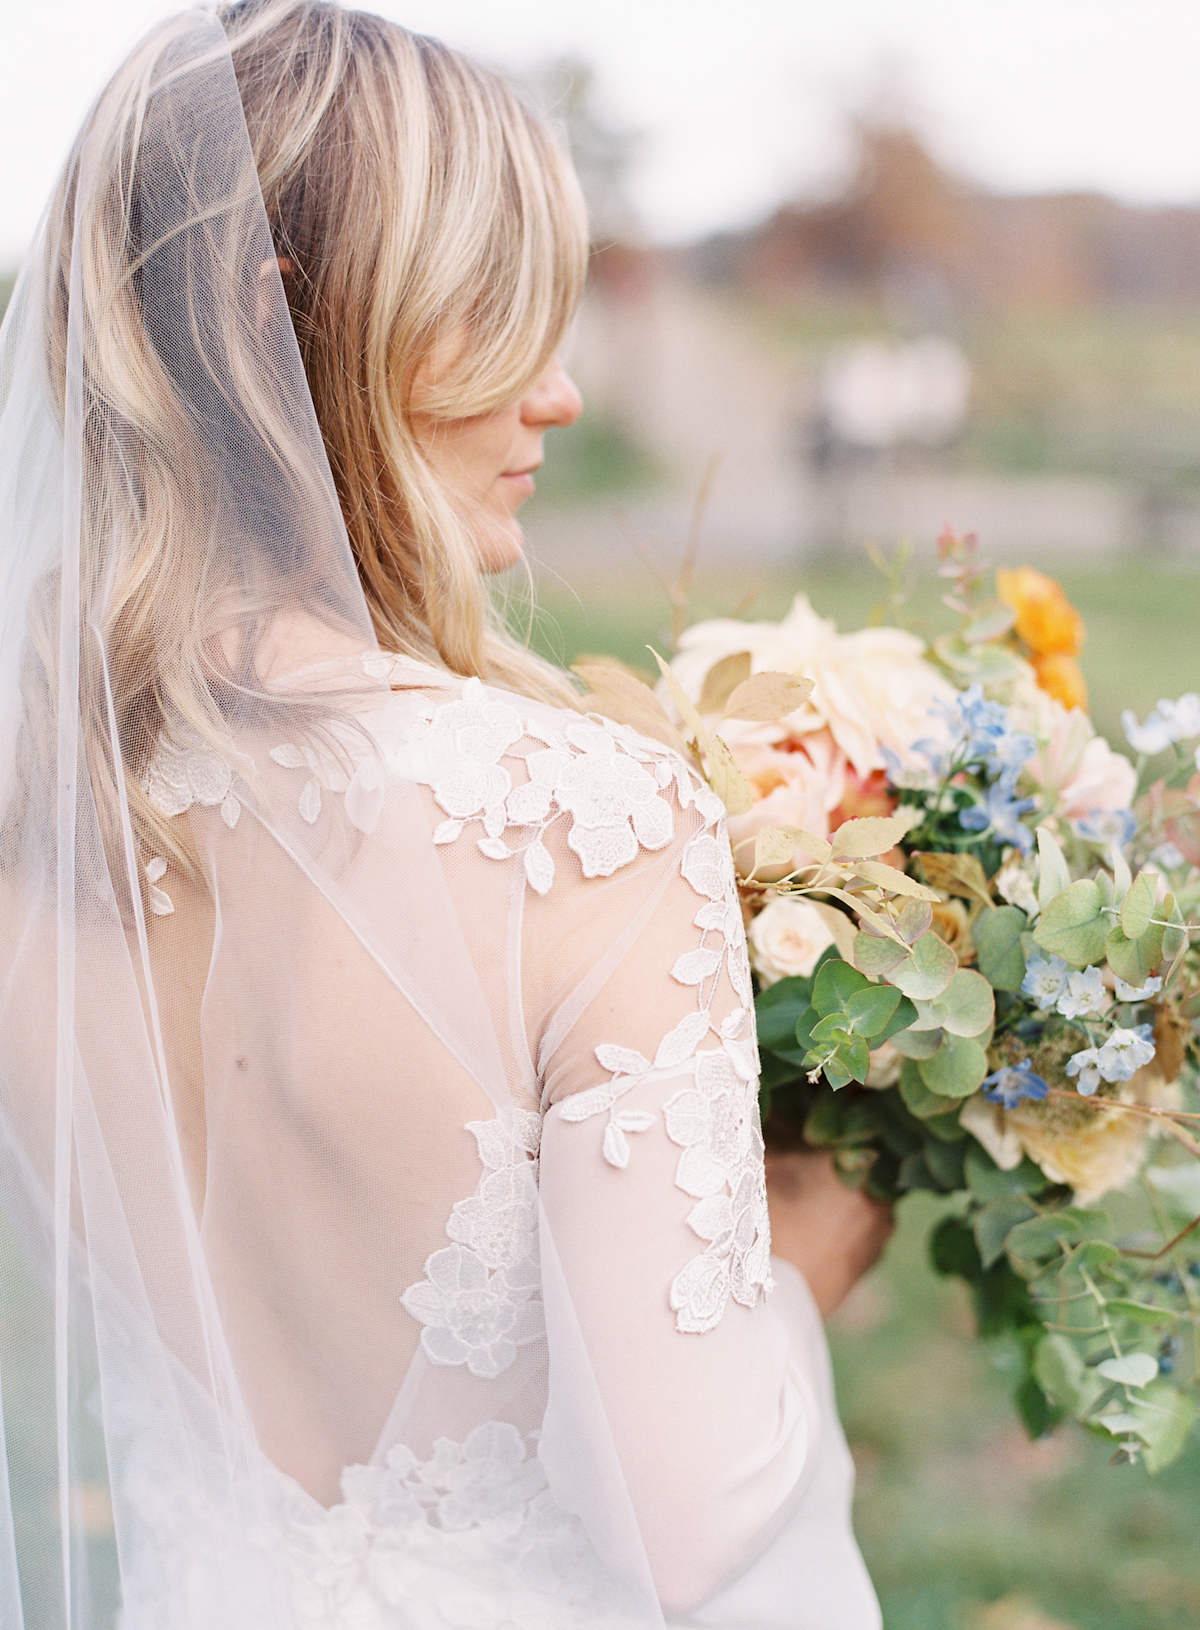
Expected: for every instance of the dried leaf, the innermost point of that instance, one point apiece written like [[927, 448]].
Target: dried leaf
[[620, 695], [956, 874], [683, 702], [722, 679], [892, 879], [839, 925], [879, 923], [726, 779], [767, 696], [872, 834], [774, 846]]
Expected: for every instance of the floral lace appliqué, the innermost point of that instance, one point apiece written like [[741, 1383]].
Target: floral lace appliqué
[[185, 770], [480, 1298], [715, 1122]]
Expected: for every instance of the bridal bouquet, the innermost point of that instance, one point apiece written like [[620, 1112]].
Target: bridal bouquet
[[970, 927]]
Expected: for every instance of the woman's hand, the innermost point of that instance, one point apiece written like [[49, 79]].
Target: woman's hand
[[831, 1233]]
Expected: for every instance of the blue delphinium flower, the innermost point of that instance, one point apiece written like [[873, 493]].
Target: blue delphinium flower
[[1001, 812], [1084, 994], [1128, 993], [1045, 980], [1125, 1051], [983, 723], [1107, 826], [1014, 1082], [1085, 1065], [1009, 752]]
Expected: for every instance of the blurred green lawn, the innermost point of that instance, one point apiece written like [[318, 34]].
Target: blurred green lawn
[[964, 1523]]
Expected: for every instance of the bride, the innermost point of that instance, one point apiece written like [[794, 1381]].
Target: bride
[[377, 1071]]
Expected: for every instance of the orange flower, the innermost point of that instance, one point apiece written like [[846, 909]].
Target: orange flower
[[1060, 676], [1046, 620]]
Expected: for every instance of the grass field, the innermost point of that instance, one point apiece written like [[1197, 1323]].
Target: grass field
[[964, 1523]]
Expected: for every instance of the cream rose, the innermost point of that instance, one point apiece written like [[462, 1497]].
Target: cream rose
[[786, 938], [871, 689]]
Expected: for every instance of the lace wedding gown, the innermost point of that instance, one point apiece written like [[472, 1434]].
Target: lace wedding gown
[[486, 1100]]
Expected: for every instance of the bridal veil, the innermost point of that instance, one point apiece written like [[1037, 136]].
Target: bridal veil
[[312, 958]]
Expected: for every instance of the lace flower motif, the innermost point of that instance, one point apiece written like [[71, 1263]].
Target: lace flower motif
[[184, 770], [607, 779], [715, 1122], [480, 1298]]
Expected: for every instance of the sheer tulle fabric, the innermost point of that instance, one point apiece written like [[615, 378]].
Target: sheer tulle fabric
[[385, 1234]]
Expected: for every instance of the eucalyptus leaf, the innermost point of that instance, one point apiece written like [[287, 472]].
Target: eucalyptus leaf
[[914, 919], [999, 956], [836, 983], [1073, 925], [916, 1095], [1137, 907], [1063, 1376], [877, 957], [914, 1043], [1129, 1370], [956, 1070], [1139, 1312], [996, 1221], [1054, 874], [965, 1008], [928, 970], [1134, 959], [1042, 1238], [776, 1010], [987, 1181], [870, 1010], [1167, 1417]]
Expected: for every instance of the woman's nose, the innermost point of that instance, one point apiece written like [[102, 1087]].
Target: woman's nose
[[554, 400]]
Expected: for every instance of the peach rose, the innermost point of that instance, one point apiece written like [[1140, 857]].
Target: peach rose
[[795, 784]]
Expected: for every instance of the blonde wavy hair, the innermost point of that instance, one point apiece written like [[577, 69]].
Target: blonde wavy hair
[[421, 213], [413, 197]]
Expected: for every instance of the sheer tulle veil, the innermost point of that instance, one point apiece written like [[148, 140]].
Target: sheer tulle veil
[[164, 486], [383, 1227]]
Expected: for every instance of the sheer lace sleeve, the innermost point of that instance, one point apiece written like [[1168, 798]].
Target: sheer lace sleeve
[[653, 1190]]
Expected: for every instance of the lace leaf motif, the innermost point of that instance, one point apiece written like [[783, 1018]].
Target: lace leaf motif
[[715, 1121]]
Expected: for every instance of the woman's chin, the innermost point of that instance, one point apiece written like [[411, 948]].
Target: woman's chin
[[501, 546]]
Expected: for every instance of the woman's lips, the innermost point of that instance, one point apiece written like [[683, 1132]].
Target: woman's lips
[[521, 481]]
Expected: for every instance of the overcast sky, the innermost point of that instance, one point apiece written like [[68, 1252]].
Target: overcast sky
[[743, 101]]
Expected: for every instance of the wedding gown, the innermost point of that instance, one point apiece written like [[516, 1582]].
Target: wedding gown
[[390, 1174]]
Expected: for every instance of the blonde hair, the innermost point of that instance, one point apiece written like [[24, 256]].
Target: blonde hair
[[418, 206], [421, 214]]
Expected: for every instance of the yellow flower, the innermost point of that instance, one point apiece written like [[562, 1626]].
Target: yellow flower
[[1046, 619], [1060, 676]]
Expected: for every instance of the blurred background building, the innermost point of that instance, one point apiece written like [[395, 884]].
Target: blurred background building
[[912, 350]]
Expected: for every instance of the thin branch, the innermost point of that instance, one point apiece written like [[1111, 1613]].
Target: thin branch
[[1153, 1256], [1117, 1103], [682, 591]]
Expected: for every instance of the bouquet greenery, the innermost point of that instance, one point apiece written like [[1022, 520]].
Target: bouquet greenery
[[970, 923]]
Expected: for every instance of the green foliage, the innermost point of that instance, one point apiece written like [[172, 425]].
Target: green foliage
[[997, 936], [1073, 925]]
